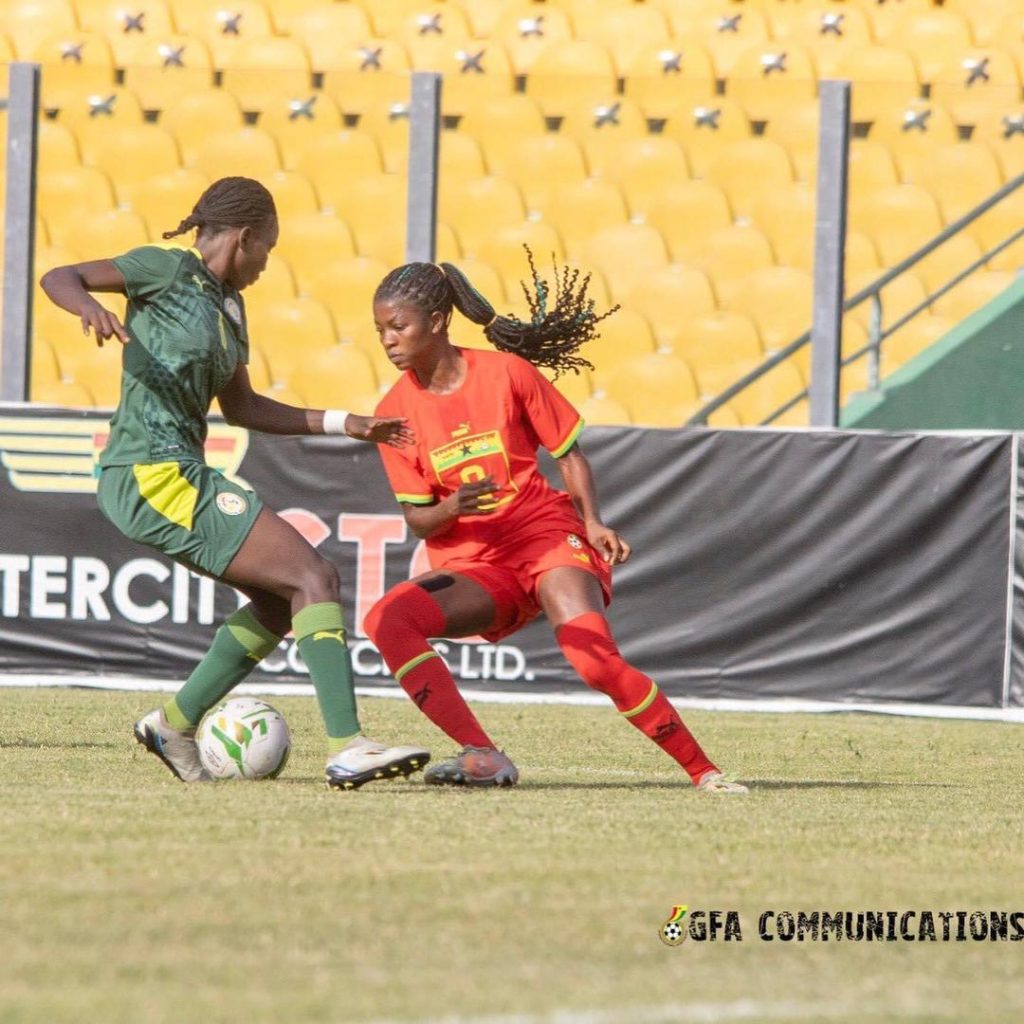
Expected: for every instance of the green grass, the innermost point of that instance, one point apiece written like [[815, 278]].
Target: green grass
[[129, 897]]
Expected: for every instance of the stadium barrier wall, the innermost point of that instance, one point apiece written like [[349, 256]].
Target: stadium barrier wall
[[826, 565], [968, 380]]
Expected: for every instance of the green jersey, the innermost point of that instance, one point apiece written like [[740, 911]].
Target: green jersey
[[188, 335]]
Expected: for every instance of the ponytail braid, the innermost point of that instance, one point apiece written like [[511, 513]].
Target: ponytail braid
[[229, 203], [558, 326]]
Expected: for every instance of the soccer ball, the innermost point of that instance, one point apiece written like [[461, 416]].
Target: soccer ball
[[244, 738]]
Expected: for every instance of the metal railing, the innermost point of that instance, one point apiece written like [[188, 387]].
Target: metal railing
[[876, 333]]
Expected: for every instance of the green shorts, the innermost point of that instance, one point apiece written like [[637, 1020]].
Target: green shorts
[[185, 510]]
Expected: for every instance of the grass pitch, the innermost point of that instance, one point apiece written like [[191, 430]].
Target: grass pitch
[[129, 897]]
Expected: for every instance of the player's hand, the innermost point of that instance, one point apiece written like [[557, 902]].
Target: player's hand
[[104, 323], [477, 498], [394, 432], [608, 544]]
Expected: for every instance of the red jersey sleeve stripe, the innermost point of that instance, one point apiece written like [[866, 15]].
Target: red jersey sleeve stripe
[[415, 499], [558, 452]]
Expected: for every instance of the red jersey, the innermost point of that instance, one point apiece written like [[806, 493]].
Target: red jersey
[[492, 425]]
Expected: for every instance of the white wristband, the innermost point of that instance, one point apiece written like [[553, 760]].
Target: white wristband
[[334, 421]]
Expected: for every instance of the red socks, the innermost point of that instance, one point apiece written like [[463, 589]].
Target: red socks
[[587, 644], [399, 624]]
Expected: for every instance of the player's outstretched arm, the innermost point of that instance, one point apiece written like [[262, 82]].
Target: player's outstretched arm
[[69, 287], [579, 482], [243, 407]]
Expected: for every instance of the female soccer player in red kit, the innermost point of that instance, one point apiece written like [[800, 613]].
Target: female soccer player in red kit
[[503, 543]]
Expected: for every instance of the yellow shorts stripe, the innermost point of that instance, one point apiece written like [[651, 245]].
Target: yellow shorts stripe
[[413, 662], [644, 704], [167, 491]]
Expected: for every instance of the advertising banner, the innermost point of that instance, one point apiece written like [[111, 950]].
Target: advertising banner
[[837, 566]]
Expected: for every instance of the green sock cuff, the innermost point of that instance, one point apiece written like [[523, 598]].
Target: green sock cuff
[[251, 633], [175, 717], [335, 744], [326, 617]]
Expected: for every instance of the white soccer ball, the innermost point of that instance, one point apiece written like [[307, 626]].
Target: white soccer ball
[[244, 738]]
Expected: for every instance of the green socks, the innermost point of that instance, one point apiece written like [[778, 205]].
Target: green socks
[[320, 636], [237, 647]]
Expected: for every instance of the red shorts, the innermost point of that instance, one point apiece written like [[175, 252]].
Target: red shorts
[[511, 575]]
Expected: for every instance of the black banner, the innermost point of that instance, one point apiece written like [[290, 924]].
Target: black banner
[[828, 565]]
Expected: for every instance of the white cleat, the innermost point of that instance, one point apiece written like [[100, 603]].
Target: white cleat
[[175, 748], [716, 782], [365, 760]]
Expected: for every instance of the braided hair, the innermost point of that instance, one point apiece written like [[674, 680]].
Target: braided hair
[[229, 203], [550, 338]]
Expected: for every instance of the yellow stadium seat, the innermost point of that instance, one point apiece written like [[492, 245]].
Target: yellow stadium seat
[[779, 300], [476, 209], [426, 20], [326, 378], [498, 122], [525, 29], [288, 331], [194, 117], [473, 70], [779, 385], [375, 200], [659, 390], [1003, 131], [58, 147], [974, 81], [645, 169], [626, 255], [325, 27], [160, 68], [577, 209], [124, 24], [576, 387], [625, 30], [74, 64], [250, 152], [827, 30], [996, 225], [685, 213], [959, 175], [662, 75], [63, 195], [898, 297], [485, 279], [64, 394], [706, 128], [988, 19], [98, 370], [870, 167], [368, 75], [332, 161], [540, 163], [310, 240], [128, 153], [662, 294], [6, 49], [605, 130], [566, 74], [787, 217], [263, 71], [604, 412], [912, 339], [953, 256], [747, 169], [884, 18], [460, 157], [797, 133], [626, 334], [767, 79], [163, 200], [897, 218], [277, 281], [882, 77], [389, 126], [43, 366], [503, 248], [912, 129], [108, 233], [300, 122], [293, 193], [113, 106], [727, 31], [224, 28], [718, 338], [730, 254], [28, 22], [933, 37], [973, 293]]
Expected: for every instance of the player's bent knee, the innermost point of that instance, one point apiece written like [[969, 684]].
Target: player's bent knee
[[397, 609], [321, 580]]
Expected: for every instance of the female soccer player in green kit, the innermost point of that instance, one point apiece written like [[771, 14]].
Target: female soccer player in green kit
[[185, 342]]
